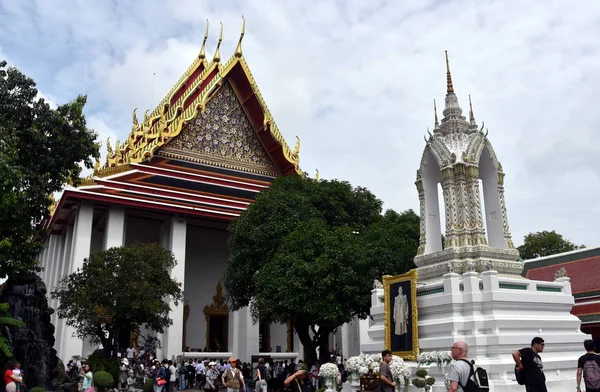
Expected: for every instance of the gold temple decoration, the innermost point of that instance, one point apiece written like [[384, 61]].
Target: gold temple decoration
[[169, 117], [436, 123], [217, 308], [317, 176], [217, 56], [202, 54], [471, 113], [450, 88], [238, 49]]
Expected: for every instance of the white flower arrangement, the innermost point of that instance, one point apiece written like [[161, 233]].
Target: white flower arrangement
[[400, 371], [329, 370], [364, 363], [440, 358]]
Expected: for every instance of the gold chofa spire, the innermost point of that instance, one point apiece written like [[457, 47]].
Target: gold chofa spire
[[471, 114], [238, 50], [437, 123], [450, 88], [217, 56], [202, 54]]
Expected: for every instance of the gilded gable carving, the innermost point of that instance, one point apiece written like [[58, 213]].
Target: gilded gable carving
[[222, 135]]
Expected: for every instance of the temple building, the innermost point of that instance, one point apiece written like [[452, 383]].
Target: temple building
[[185, 171], [582, 267]]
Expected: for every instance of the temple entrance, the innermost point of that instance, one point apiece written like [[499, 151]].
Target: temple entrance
[[264, 337], [217, 322]]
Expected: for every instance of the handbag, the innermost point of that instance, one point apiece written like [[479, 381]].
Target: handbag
[[160, 381], [90, 389]]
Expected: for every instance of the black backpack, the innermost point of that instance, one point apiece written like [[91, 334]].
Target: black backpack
[[520, 376], [478, 379], [167, 373]]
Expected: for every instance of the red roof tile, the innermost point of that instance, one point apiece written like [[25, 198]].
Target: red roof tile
[[584, 310], [584, 274]]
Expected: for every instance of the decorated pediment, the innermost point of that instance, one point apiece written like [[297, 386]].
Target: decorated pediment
[[222, 135]]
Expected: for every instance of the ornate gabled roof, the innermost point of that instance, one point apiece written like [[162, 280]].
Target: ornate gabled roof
[[187, 99]]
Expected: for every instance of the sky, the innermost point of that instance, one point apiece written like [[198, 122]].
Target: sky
[[355, 80]]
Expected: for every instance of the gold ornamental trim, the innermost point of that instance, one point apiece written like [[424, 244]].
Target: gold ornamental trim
[[410, 353]]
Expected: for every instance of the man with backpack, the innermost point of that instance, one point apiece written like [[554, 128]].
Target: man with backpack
[[463, 375], [588, 365], [529, 363]]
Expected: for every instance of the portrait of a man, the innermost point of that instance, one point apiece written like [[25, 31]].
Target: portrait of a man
[[401, 315]]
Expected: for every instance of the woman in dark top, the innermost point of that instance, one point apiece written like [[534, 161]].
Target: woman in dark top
[[261, 376]]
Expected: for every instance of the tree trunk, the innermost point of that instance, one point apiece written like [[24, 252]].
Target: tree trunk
[[323, 343], [310, 347]]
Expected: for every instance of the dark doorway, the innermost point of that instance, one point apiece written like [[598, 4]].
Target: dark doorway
[[264, 337], [218, 326]]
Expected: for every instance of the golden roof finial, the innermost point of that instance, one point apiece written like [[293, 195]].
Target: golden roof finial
[[317, 175], [217, 56], [471, 114], [450, 88], [238, 50], [202, 54], [437, 123]]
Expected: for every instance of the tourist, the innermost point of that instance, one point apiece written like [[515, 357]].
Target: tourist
[[314, 374], [261, 376], [182, 371], [158, 376], [530, 363], [385, 374], [172, 376], [588, 365], [199, 373], [299, 381], [130, 353], [232, 378], [212, 377], [190, 374], [10, 380], [88, 378], [247, 374], [460, 370], [19, 373]]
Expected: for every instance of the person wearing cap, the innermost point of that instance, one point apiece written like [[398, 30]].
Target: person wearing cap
[[212, 375], [232, 377], [299, 381]]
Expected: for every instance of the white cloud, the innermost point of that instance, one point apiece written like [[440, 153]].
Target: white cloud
[[355, 80]]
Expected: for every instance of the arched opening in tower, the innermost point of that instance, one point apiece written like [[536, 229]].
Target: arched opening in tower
[[488, 174], [431, 176]]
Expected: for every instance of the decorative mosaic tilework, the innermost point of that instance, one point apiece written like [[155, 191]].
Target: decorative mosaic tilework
[[223, 131]]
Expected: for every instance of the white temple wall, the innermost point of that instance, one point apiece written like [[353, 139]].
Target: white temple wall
[[278, 337], [206, 255]]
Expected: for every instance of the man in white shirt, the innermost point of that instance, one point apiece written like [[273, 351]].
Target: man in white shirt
[[130, 353]]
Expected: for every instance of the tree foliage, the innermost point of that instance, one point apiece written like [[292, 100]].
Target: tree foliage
[[308, 252], [117, 290], [545, 243], [40, 150]]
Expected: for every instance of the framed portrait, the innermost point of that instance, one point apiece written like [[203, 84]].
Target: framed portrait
[[400, 315]]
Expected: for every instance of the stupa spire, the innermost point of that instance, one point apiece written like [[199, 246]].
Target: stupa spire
[[436, 123], [202, 54], [217, 56], [449, 87], [471, 113]]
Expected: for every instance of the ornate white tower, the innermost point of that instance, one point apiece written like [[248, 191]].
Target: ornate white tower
[[457, 155]]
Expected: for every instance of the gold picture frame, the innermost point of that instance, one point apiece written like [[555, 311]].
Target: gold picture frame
[[400, 315]]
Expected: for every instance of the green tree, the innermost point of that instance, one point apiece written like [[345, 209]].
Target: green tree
[[307, 252], [40, 150], [545, 243], [118, 290]]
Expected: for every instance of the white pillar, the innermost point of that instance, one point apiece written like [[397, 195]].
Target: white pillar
[[173, 336], [114, 235], [252, 333], [43, 258], [82, 242], [62, 258]]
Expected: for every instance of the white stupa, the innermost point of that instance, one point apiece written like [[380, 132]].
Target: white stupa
[[471, 289]]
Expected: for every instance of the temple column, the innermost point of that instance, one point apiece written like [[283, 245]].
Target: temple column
[[44, 259], [252, 332], [62, 261], [173, 336], [82, 242], [114, 235]]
